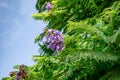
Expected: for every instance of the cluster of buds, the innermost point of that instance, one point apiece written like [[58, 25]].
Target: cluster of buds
[[21, 74], [48, 6], [54, 40]]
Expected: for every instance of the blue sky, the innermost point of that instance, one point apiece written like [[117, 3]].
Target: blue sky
[[17, 32]]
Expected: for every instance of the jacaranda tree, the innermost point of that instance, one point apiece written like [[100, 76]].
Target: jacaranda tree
[[80, 42]]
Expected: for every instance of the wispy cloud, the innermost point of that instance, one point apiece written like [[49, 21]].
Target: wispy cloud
[[4, 5], [5, 9], [27, 9]]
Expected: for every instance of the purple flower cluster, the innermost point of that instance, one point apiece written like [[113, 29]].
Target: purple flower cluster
[[54, 40], [48, 6], [21, 74]]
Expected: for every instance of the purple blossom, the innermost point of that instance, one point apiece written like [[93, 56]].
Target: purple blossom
[[54, 40], [48, 6], [19, 73], [16, 79], [56, 32]]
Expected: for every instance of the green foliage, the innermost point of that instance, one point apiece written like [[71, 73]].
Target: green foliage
[[76, 65], [91, 40], [8, 78], [112, 75], [65, 10]]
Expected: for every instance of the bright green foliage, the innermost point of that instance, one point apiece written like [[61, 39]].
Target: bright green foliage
[[76, 65], [91, 39], [91, 32]]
